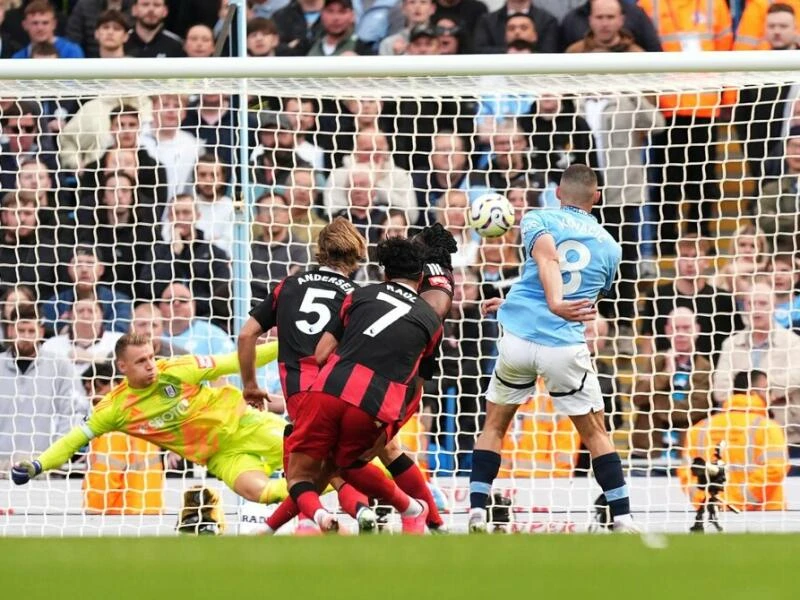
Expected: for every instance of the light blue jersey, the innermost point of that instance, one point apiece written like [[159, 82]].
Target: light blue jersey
[[589, 260]]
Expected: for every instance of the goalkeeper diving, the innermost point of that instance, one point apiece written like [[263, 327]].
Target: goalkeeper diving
[[165, 402]]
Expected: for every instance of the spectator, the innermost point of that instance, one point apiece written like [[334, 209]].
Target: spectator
[[88, 134], [490, 30], [366, 205], [110, 36], [464, 13], [12, 299], [343, 121], [28, 253], [337, 36], [501, 262], [777, 206], [606, 33], [262, 37], [685, 153], [169, 145], [149, 38], [40, 25], [785, 280], [715, 310], [40, 397], [85, 272], [125, 153], [8, 47], [121, 239], [422, 41], [763, 19], [199, 42], [183, 328], [750, 257], [216, 215], [448, 170], [675, 394], [558, 137], [576, 24], [124, 474], [299, 25], [20, 125], [521, 27], [86, 19], [763, 110], [372, 152], [300, 191], [452, 39], [275, 253], [84, 341], [452, 214], [278, 152], [522, 199], [149, 322], [621, 128], [770, 348], [386, 224], [301, 114], [416, 12], [750, 443], [211, 120], [185, 255], [510, 161]]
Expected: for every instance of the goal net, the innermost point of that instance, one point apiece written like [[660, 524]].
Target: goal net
[[169, 200]]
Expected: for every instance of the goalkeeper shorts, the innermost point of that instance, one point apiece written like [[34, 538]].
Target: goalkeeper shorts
[[257, 445]]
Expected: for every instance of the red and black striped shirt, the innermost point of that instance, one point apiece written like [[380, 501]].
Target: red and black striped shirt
[[302, 306], [384, 330]]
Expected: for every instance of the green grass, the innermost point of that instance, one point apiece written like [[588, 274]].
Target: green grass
[[541, 567]]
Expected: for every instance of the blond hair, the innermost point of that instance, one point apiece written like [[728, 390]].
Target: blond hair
[[340, 245]]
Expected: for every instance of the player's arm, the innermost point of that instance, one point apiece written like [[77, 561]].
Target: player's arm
[[545, 255], [262, 319], [104, 419], [334, 331], [194, 369]]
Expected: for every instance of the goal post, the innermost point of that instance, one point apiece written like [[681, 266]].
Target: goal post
[[208, 180]]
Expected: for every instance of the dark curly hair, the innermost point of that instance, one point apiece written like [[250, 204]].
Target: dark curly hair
[[438, 245], [400, 258]]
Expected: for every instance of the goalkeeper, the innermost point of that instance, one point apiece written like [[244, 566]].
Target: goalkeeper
[[164, 402]]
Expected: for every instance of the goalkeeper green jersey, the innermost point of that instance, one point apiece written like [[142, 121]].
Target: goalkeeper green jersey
[[178, 412]]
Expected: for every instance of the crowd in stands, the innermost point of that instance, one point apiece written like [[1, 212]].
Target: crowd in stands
[[119, 212]]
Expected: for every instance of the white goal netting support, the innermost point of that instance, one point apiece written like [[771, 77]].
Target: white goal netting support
[[168, 196]]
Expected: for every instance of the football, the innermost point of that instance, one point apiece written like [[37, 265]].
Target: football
[[491, 215]]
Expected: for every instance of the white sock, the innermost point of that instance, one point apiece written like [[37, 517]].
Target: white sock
[[478, 511], [414, 509]]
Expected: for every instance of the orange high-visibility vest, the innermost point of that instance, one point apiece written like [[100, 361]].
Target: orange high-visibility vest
[[750, 32], [692, 26], [540, 442], [755, 455], [124, 476]]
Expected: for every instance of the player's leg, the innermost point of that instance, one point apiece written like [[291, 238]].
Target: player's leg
[[575, 390], [355, 504], [358, 437], [512, 383], [607, 467], [409, 478]]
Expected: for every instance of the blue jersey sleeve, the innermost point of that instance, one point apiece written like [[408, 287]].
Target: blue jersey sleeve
[[533, 226]]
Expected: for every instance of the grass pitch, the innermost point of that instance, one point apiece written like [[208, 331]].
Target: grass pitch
[[752, 567]]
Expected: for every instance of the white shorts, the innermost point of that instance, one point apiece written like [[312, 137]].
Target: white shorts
[[567, 372]]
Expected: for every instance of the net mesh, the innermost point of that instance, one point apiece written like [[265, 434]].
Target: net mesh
[[124, 206]]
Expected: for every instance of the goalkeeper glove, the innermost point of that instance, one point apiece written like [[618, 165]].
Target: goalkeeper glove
[[23, 472]]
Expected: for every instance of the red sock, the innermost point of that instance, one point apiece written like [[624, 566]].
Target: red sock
[[413, 483], [371, 480], [351, 500], [307, 499], [283, 514]]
